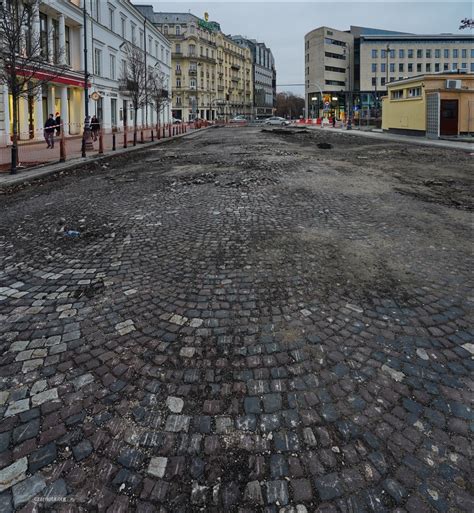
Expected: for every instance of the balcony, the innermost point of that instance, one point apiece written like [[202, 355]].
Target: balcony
[[220, 88], [192, 72], [177, 72], [177, 55], [235, 66]]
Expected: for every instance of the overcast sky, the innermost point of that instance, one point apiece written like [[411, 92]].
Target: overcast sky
[[282, 25]]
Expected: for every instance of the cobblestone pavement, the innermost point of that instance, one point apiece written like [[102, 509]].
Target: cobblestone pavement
[[247, 323]]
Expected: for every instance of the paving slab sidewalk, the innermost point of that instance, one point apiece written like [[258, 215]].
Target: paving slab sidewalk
[[31, 174]]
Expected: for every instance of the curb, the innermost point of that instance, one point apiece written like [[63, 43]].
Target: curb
[[37, 172]]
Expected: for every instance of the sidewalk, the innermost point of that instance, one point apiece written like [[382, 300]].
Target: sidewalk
[[439, 143], [33, 173]]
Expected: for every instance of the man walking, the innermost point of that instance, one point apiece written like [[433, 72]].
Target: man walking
[[49, 127]]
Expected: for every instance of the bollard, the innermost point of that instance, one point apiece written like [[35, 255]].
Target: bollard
[[169, 129], [158, 132], [113, 142], [125, 138], [164, 135], [141, 137], [101, 143], [62, 148], [152, 138]]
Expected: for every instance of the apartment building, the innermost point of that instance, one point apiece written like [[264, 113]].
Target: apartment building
[[211, 74], [351, 69], [61, 31], [264, 76]]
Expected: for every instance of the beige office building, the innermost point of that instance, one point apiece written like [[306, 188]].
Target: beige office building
[[352, 67]]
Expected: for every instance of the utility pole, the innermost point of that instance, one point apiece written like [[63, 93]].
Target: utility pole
[[86, 142], [146, 73], [386, 65]]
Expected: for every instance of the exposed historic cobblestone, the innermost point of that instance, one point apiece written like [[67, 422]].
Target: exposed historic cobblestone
[[246, 324]]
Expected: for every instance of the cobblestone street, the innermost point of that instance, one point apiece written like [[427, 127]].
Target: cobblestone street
[[249, 321]]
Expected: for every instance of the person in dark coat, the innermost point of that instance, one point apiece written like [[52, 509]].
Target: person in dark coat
[[49, 127], [58, 124], [95, 127]]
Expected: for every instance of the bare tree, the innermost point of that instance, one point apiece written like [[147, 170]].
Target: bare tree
[[466, 23], [158, 91], [24, 66], [134, 80], [288, 104]]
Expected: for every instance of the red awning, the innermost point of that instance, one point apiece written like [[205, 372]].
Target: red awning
[[56, 79]]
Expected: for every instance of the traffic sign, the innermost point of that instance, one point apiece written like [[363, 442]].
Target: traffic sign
[[326, 104]]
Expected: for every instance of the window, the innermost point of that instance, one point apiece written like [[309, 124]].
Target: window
[[464, 65], [55, 41], [418, 68], [97, 61], [156, 49], [455, 54], [95, 9], [419, 54], [178, 82], [335, 82], [123, 23], [383, 54], [436, 66], [142, 40], [374, 81], [382, 81], [165, 30], [112, 67], [134, 32], [446, 66], [410, 67], [111, 18], [44, 35], [392, 54], [446, 53], [178, 100], [464, 53], [428, 54], [150, 44], [401, 54], [192, 83], [401, 67], [374, 54], [396, 95], [192, 50], [382, 67], [178, 30], [472, 53], [410, 54], [414, 92], [178, 48], [472, 66], [330, 41], [335, 55], [392, 67], [437, 53], [374, 67], [454, 66], [428, 67], [68, 46]]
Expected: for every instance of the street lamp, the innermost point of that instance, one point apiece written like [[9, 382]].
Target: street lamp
[[313, 100]]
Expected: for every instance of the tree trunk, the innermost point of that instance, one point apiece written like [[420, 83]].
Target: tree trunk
[[135, 119], [15, 102]]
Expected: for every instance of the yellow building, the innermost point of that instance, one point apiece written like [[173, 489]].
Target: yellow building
[[431, 105], [211, 74]]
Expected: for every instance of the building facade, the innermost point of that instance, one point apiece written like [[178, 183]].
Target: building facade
[[352, 68], [61, 31], [264, 76], [211, 74], [432, 105]]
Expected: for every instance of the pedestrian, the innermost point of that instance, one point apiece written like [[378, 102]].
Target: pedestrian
[[58, 124], [95, 127], [334, 121], [49, 131]]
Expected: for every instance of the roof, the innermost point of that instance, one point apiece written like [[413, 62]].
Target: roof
[[432, 76], [417, 37]]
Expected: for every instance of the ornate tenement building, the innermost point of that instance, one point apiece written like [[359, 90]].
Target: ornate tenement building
[[60, 27], [211, 73]]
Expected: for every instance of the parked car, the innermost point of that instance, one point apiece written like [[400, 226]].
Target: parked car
[[275, 120], [239, 119], [176, 121]]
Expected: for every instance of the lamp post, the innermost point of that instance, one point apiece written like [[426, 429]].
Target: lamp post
[[349, 102], [86, 135], [386, 65]]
